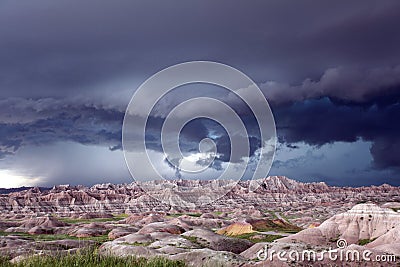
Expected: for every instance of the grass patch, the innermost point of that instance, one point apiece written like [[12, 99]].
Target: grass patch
[[272, 213], [363, 242], [46, 237], [75, 221], [288, 218], [136, 244], [291, 231], [116, 217], [278, 229], [192, 239], [121, 216], [266, 225], [90, 258]]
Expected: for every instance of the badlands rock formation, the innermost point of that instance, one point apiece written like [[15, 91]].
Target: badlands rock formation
[[122, 220], [305, 203], [364, 227], [363, 221], [238, 228], [388, 242]]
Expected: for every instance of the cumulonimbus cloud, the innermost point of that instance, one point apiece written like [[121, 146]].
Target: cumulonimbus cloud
[[349, 84], [45, 121]]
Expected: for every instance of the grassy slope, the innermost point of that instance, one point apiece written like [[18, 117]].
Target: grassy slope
[[90, 258], [74, 221], [52, 237]]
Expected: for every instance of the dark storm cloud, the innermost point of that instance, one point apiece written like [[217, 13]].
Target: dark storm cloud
[[342, 84], [198, 129], [29, 122], [62, 48], [318, 122], [385, 151], [329, 68]]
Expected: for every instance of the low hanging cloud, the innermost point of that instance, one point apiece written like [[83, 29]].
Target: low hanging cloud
[[347, 84], [318, 122], [345, 104], [25, 122]]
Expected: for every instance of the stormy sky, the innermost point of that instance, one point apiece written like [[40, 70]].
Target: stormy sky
[[329, 69]]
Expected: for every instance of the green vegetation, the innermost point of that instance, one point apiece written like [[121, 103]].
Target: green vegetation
[[90, 258], [114, 218], [274, 216], [194, 240], [265, 238], [284, 217], [274, 225], [363, 242], [45, 237], [137, 244], [121, 216], [291, 231], [272, 213], [396, 209]]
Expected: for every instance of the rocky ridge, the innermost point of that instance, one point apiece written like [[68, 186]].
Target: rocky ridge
[[275, 193]]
